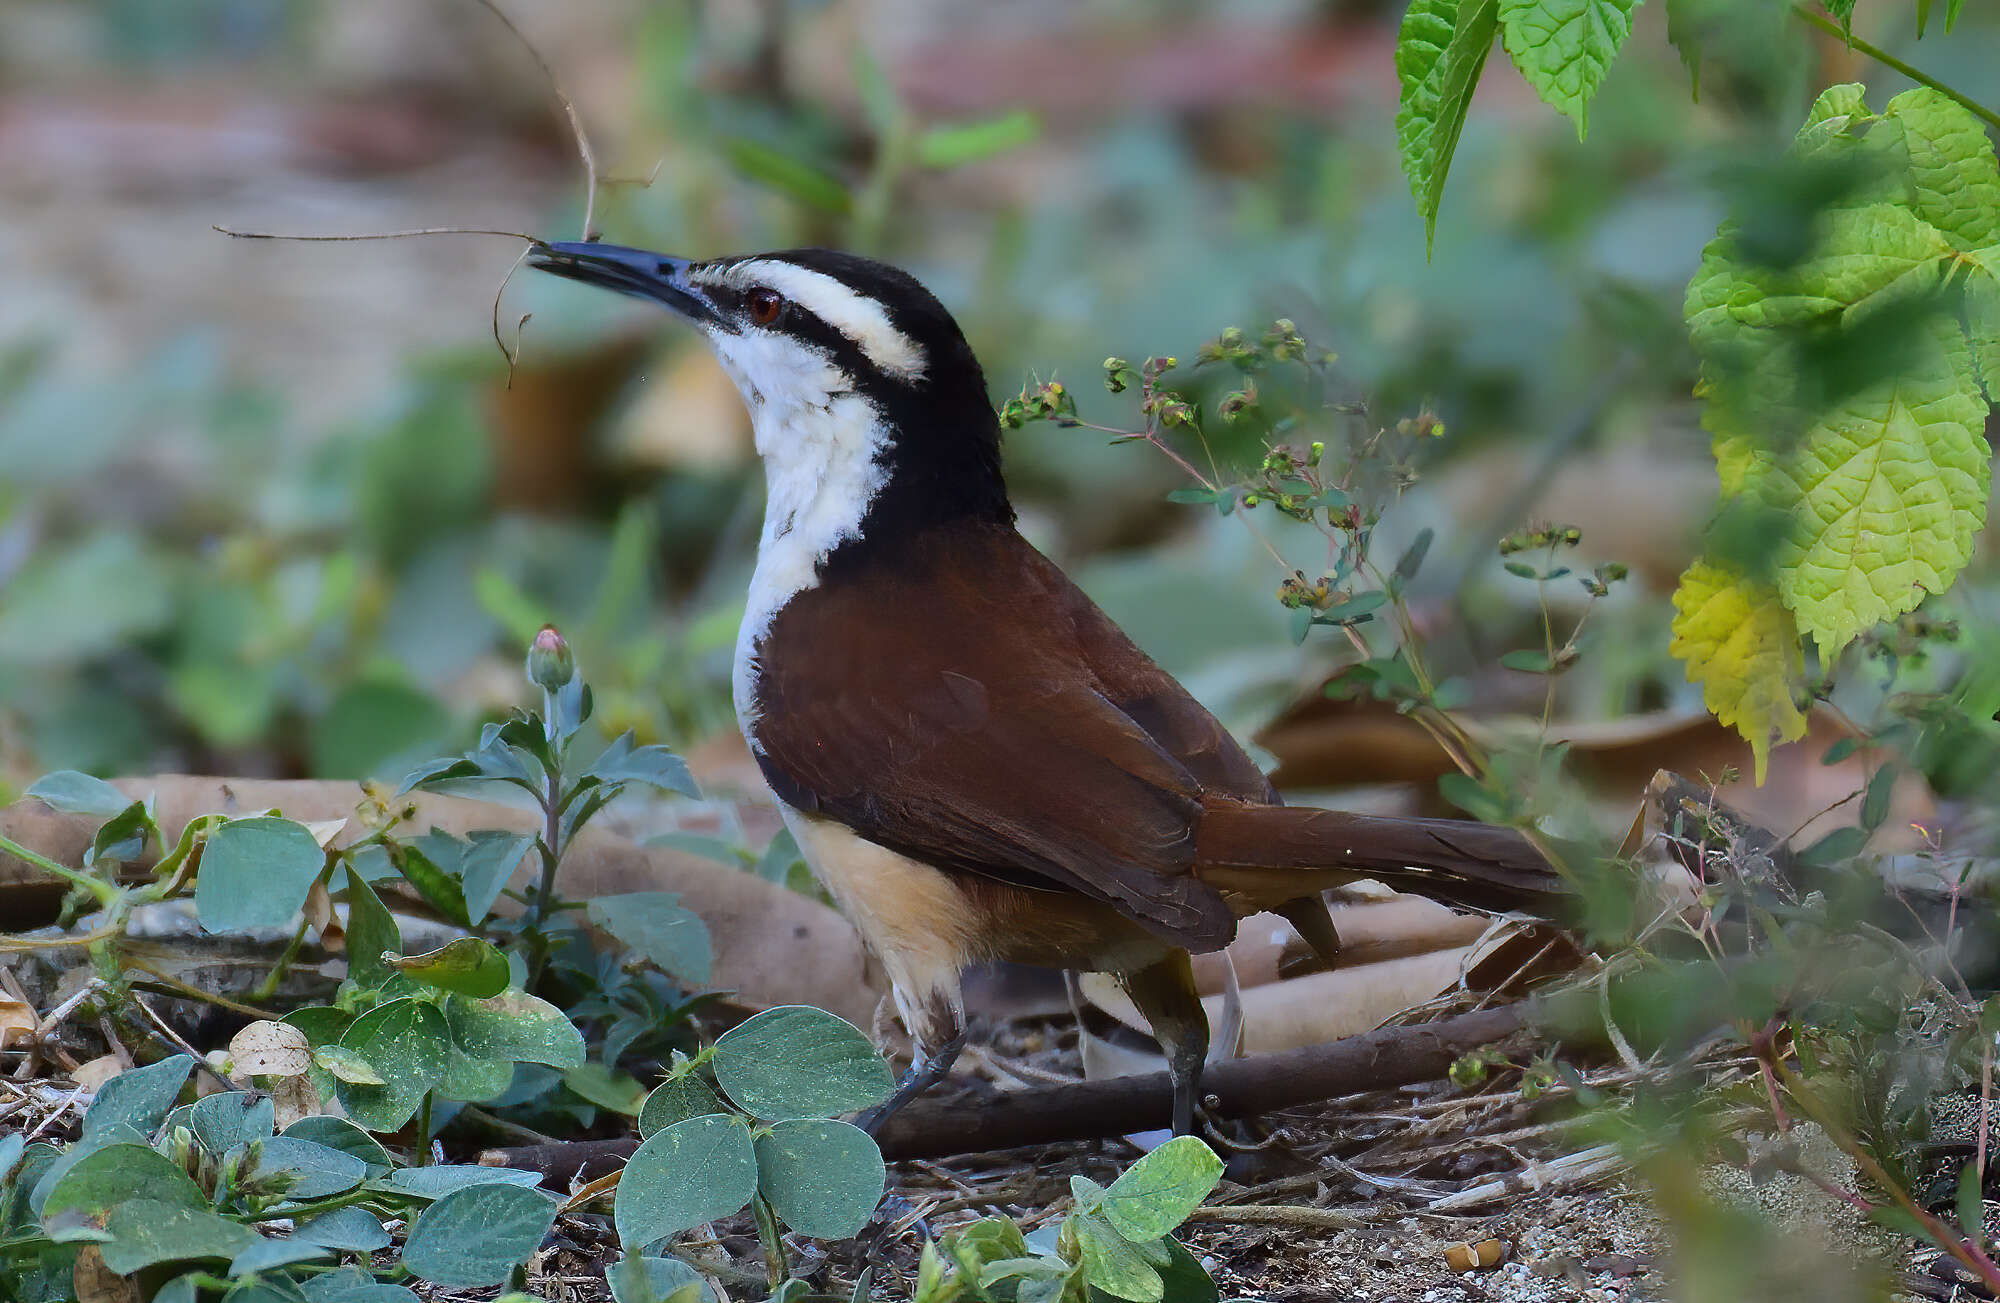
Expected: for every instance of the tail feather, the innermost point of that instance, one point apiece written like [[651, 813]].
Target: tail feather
[[1260, 849]]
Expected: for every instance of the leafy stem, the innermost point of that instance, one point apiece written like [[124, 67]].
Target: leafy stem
[[106, 893], [1890, 61], [774, 1247]]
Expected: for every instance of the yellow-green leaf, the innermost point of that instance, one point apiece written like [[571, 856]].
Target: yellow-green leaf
[[1563, 47], [1740, 643], [1440, 52]]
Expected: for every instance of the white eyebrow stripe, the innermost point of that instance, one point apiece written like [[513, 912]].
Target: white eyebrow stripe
[[853, 314]]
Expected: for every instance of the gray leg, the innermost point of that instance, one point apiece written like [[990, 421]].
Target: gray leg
[[944, 1027], [1165, 994]]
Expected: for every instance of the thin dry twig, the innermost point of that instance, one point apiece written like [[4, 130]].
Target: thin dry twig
[[583, 149]]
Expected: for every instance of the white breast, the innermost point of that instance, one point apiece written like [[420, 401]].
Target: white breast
[[819, 442]]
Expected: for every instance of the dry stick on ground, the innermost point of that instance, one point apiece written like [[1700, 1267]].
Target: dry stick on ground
[[1082, 1110]]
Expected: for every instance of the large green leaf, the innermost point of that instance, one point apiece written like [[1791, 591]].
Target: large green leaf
[[658, 926], [1564, 47], [466, 965], [340, 1134], [1954, 179], [693, 1172], [255, 874], [102, 1180], [1113, 1263], [822, 1178], [797, 1061], [345, 1230], [317, 1170], [371, 933], [516, 1027], [231, 1117], [148, 1231], [477, 1235], [1157, 1193], [1440, 53], [405, 1041], [70, 792], [138, 1098], [441, 1179]]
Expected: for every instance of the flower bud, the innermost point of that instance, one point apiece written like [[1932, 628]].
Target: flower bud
[[551, 664]]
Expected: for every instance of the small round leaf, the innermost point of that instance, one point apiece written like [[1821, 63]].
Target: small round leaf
[[675, 1100], [693, 1172], [476, 1236], [822, 1178], [405, 1041], [255, 874], [796, 1061]]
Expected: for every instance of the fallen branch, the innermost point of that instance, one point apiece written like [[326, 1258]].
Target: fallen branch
[[1390, 1056]]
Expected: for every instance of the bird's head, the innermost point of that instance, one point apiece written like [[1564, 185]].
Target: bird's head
[[858, 381]]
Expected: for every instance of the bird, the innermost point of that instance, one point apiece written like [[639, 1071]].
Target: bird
[[976, 762]]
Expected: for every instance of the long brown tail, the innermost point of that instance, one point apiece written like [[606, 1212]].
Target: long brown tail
[[1260, 849]]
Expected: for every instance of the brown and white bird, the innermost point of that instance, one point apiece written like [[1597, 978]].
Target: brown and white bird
[[976, 762]]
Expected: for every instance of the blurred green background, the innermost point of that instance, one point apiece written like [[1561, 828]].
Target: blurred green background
[[275, 508]]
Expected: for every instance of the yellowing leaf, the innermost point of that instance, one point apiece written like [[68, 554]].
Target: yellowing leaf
[[1740, 644]]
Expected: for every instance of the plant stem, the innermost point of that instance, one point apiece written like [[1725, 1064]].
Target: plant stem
[[269, 986], [775, 1267], [105, 892], [1890, 61], [423, 1157]]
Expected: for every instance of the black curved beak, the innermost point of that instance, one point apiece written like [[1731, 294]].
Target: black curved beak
[[639, 272]]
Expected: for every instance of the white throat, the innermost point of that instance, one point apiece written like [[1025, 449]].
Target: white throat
[[819, 441]]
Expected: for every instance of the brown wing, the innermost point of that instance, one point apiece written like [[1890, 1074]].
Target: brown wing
[[970, 708]]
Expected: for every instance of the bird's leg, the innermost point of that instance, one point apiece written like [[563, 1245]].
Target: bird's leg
[[1165, 993], [942, 1027], [1314, 923]]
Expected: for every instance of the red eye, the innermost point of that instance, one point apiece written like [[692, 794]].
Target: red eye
[[765, 306]]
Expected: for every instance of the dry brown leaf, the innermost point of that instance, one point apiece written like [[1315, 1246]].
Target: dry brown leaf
[[91, 1075], [97, 1283], [269, 1049], [293, 1098], [17, 1019]]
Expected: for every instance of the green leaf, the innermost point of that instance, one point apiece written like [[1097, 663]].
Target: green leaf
[[353, 1285], [371, 933], [1884, 494], [695, 1171], [1184, 1280], [1953, 172], [1157, 1193], [796, 1061], [467, 965], [318, 1170], [787, 175], [1112, 1263], [1564, 47], [634, 1279], [345, 1230], [655, 766], [145, 1232], [607, 1087], [345, 1065], [1738, 641], [658, 926], [676, 1099], [403, 1040], [107, 1177], [1527, 662], [255, 873], [1971, 1206], [1982, 314], [436, 886], [1191, 496], [957, 144], [227, 1119], [1836, 848], [469, 1079], [441, 1179], [341, 1135], [1440, 53], [516, 1027], [476, 1236], [69, 792], [486, 866], [267, 1255], [1875, 805], [1413, 556], [139, 1098], [822, 1178]]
